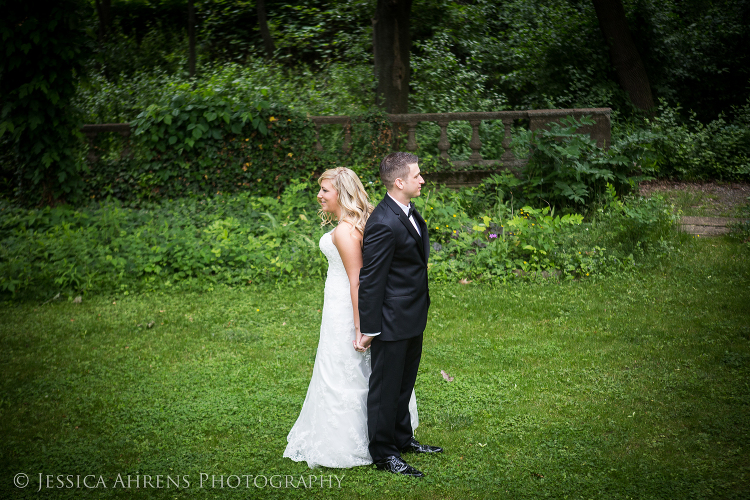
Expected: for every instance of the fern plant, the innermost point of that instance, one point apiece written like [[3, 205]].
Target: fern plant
[[568, 169]]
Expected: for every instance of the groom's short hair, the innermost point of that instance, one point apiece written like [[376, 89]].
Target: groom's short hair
[[396, 166]]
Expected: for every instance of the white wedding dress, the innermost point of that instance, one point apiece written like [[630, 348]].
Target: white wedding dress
[[331, 429]]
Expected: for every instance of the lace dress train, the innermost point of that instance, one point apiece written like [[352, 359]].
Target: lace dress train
[[331, 429]]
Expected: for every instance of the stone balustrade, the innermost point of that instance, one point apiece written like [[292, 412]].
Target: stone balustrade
[[599, 131], [91, 131]]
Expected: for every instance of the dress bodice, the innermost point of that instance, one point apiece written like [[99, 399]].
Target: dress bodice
[[335, 264]]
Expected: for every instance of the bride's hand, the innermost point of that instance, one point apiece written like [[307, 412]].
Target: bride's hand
[[358, 347], [365, 341], [357, 342]]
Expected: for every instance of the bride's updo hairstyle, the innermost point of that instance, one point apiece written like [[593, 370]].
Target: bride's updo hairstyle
[[352, 197]]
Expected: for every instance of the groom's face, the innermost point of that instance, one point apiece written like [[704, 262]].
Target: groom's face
[[413, 182]]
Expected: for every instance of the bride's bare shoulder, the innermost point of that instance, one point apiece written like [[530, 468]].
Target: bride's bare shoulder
[[346, 232]]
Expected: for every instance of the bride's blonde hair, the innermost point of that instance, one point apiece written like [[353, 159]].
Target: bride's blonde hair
[[352, 197]]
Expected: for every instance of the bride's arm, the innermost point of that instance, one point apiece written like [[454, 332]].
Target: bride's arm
[[348, 241]]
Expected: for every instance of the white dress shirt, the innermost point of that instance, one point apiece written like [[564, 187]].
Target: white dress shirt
[[405, 208]]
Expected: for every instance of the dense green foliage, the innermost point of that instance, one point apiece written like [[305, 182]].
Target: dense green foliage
[[470, 55], [566, 167], [44, 51], [202, 139], [475, 56], [628, 386], [237, 239], [662, 146], [197, 134], [719, 149]]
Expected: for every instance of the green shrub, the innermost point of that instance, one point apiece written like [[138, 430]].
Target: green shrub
[[635, 225], [329, 92], [222, 133], [568, 169], [672, 147], [199, 133], [190, 242], [206, 141], [692, 150], [502, 245], [241, 238]]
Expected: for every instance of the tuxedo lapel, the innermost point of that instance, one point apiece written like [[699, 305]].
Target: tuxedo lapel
[[425, 235], [408, 225]]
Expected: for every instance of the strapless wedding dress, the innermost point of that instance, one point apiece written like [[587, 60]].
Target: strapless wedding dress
[[331, 429]]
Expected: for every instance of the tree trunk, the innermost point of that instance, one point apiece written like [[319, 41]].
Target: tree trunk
[[191, 38], [102, 11], [625, 58], [392, 46], [263, 25]]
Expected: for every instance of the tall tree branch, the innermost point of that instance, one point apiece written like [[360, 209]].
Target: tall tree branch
[[626, 60], [392, 46], [103, 8], [263, 25], [191, 38]]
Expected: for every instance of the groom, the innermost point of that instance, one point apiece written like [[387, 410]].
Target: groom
[[393, 303]]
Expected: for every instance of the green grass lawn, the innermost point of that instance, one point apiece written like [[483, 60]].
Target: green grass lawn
[[621, 387]]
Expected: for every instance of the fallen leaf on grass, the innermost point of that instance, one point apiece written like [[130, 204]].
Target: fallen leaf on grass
[[464, 281], [78, 300], [447, 377]]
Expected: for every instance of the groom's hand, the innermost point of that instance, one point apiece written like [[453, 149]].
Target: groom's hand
[[361, 342], [357, 341], [365, 341]]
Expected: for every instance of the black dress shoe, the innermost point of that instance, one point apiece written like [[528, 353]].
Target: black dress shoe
[[395, 465], [414, 447]]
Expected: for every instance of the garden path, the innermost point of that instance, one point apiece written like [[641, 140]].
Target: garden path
[[708, 208]]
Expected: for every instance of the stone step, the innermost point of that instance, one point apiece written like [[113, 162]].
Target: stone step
[[705, 230], [707, 226], [707, 221]]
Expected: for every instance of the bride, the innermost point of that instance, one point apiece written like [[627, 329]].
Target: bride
[[331, 429]]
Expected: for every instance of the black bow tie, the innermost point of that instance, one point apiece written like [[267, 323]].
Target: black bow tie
[[410, 212]]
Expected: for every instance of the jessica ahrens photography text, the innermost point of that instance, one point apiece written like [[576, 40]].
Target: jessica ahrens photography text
[[176, 481]]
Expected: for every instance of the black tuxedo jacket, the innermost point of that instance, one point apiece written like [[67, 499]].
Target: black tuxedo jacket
[[393, 293]]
